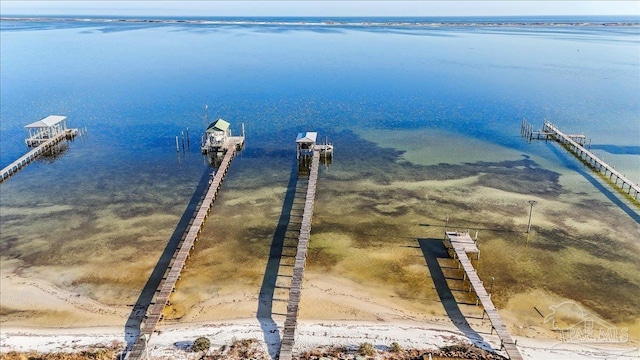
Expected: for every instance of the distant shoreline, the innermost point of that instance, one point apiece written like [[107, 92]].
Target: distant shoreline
[[346, 22]]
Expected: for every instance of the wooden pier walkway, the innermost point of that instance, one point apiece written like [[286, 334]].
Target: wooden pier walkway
[[33, 154], [575, 144], [167, 287], [462, 246], [288, 335]]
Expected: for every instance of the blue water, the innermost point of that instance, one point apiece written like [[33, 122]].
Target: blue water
[[136, 86], [475, 80]]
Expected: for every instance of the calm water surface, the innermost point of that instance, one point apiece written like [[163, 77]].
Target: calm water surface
[[137, 86]]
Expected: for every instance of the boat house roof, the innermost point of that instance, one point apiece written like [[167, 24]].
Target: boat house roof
[[218, 125], [47, 122], [306, 137]]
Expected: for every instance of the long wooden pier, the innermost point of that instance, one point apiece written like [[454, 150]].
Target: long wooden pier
[[44, 147], [167, 287], [288, 335], [462, 245], [575, 144]]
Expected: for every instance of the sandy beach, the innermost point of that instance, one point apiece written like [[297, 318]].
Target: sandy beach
[[173, 341], [358, 316]]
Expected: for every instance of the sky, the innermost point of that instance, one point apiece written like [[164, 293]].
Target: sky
[[319, 8]]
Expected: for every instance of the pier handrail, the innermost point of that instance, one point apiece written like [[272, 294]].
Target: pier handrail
[[28, 157], [553, 128], [182, 254], [290, 323]]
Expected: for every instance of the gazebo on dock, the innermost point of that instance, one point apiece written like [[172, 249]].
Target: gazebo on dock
[[45, 129], [306, 142]]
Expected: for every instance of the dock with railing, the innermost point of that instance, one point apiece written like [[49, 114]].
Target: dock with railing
[[576, 145], [307, 149], [43, 147], [168, 285]]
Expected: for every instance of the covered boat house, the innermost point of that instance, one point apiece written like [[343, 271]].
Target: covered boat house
[[45, 129], [306, 142], [216, 136]]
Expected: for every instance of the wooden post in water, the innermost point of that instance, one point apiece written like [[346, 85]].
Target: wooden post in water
[[177, 146]]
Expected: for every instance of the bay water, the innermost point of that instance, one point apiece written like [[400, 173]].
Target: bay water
[[426, 125]]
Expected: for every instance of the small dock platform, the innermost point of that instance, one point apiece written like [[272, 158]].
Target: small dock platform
[[575, 145], [43, 136], [464, 249], [167, 287]]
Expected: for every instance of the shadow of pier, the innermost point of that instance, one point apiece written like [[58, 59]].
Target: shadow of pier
[[134, 322], [267, 290], [432, 250], [571, 162]]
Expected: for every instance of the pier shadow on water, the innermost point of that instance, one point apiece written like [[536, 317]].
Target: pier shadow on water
[[267, 290], [432, 250], [571, 162], [134, 322]]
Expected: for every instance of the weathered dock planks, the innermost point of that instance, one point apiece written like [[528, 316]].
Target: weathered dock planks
[[462, 245], [288, 335], [24, 160], [173, 275]]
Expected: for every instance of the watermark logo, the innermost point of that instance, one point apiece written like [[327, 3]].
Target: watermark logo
[[578, 326]]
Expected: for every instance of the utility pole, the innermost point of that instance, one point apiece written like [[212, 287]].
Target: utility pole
[[531, 202]]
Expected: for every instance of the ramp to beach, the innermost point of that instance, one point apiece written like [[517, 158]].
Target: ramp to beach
[[167, 287], [463, 246]]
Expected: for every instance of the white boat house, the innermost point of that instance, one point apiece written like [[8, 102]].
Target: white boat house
[[45, 129]]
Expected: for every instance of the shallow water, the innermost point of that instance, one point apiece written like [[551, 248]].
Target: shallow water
[[425, 123]]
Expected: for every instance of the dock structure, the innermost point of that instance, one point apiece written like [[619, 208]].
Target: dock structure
[[306, 143], [167, 287], [575, 144], [290, 323], [464, 249], [218, 137], [529, 133], [43, 136]]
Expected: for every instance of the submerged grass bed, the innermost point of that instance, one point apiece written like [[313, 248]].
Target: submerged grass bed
[[373, 206]]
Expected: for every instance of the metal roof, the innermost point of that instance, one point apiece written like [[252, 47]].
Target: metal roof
[[219, 125], [307, 137], [49, 121]]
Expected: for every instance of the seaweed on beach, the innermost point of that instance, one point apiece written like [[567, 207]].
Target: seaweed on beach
[[239, 350], [461, 350], [98, 352]]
